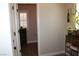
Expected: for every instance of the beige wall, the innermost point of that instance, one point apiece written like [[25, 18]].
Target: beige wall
[[51, 28]]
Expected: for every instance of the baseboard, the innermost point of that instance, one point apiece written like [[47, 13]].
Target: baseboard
[[3, 54], [31, 41], [53, 53]]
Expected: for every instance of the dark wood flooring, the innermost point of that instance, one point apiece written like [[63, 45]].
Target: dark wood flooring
[[29, 50]]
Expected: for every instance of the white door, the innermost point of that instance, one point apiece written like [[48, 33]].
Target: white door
[[15, 28]]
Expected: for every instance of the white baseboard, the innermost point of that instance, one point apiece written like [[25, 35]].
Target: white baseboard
[[53, 53], [3, 54], [31, 41]]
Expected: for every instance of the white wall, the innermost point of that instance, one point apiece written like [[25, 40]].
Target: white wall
[[51, 28], [5, 34]]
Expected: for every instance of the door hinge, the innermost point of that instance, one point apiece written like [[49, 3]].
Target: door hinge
[[14, 34], [12, 7], [17, 10], [13, 41], [20, 50]]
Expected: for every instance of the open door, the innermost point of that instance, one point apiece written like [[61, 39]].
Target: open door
[[28, 29], [28, 12]]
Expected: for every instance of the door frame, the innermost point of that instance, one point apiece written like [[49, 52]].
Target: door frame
[[14, 29], [38, 27], [17, 40], [17, 30]]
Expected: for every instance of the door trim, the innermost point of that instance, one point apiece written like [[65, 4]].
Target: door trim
[[38, 36]]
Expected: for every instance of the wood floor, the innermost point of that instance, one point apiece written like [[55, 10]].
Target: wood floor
[[30, 50]]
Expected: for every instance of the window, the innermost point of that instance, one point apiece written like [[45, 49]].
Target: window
[[23, 19]]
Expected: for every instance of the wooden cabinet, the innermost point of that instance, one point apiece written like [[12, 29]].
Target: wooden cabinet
[[72, 45]]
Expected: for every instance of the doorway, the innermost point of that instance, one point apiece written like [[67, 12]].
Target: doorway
[[28, 29]]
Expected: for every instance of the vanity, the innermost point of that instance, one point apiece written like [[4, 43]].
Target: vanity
[[72, 44]]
